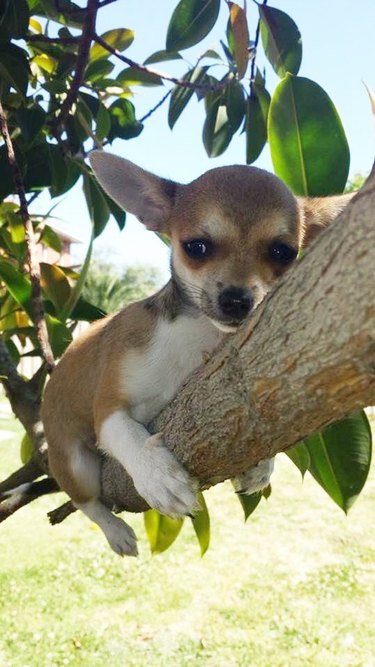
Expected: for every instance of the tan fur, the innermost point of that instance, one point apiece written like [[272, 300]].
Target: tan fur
[[241, 211]]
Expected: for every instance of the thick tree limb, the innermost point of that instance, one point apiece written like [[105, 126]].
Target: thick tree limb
[[305, 360]]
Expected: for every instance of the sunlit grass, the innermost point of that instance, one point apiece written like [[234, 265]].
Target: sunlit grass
[[294, 587]]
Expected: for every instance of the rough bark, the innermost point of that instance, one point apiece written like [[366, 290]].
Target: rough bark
[[305, 360]]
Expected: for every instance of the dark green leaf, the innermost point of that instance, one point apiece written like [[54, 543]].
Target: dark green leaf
[[103, 122], [161, 530], [257, 110], [117, 212], [98, 69], [217, 130], [59, 335], [162, 56], [249, 502], [64, 171], [131, 76], [37, 167], [235, 103], [86, 311], [30, 122], [300, 456], [124, 124], [14, 69], [281, 40], [96, 203], [64, 11], [191, 21], [14, 18], [340, 458], [17, 283], [52, 240], [181, 96], [201, 525], [308, 145], [119, 38]]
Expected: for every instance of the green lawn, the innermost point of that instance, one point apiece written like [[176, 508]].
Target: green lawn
[[294, 587]]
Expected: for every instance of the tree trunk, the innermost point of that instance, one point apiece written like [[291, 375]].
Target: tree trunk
[[304, 360]]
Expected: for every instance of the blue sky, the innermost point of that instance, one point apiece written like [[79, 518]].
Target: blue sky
[[338, 53]]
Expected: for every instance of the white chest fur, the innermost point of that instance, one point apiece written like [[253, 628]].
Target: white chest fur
[[151, 377]]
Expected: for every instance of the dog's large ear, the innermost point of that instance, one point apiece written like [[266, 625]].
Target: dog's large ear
[[137, 191], [318, 212]]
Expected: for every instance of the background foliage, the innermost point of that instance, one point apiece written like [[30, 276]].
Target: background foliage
[[65, 89]]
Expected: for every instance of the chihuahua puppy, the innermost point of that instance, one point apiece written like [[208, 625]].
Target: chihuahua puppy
[[233, 232]]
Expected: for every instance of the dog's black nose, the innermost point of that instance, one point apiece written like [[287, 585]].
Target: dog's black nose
[[235, 302]]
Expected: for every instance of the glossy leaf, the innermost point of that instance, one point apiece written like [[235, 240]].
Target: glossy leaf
[[14, 18], [201, 525], [38, 169], [162, 56], [83, 310], [249, 502], [27, 449], [18, 284], [191, 21], [131, 76], [58, 334], [124, 124], [217, 130], [64, 171], [161, 530], [30, 122], [50, 239], [118, 213], [64, 11], [14, 68], [281, 40], [96, 203], [257, 109], [55, 285], [241, 39], [103, 122], [181, 96], [340, 458], [235, 103], [300, 456], [98, 69], [119, 38], [308, 145]]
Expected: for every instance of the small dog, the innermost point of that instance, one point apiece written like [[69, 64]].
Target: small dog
[[233, 232]]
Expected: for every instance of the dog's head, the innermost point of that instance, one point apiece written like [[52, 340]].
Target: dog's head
[[234, 230]]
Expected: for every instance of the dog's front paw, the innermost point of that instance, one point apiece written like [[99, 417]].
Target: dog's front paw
[[255, 479], [163, 482]]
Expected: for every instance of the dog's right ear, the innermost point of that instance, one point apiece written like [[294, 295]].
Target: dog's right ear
[[149, 197]]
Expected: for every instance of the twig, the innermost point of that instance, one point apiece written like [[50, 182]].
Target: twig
[[31, 255], [88, 33], [182, 83], [256, 42], [157, 106], [58, 515], [25, 475], [53, 40], [18, 500]]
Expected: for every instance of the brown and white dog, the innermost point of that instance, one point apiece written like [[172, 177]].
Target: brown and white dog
[[233, 232]]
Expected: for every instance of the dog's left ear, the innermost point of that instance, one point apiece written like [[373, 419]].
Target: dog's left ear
[[318, 212]]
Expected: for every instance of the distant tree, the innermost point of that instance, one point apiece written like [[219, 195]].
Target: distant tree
[[111, 289]]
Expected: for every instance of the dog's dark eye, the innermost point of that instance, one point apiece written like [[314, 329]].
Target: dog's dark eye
[[198, 248], [282, 253]]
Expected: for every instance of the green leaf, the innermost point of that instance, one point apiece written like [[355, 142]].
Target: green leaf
[[161, 530], [217, 130], [300, 456], [83, 310], [96, 203], [340, 458], [55, 285], [191, 21], [18, 284], [249, 502], [117, 212], [119, 38], [240, 37], [302, 119], [14, 18], [162, 56], [98, 69], [131, 76], [181, 96], [257, 109], [64, 171], [235, 103], [30, 121], [52, 240], [201, 525], [37, 167], [281, 40], [27, 449], [124, 124], [14, 69], [64, 11], [59, 335], [103, 122]]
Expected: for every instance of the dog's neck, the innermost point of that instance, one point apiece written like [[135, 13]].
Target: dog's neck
[[172, 301]]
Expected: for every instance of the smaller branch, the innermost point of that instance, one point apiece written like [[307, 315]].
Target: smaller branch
[[182, 83], [25, 475], [32, 261], [61, 513], [53, 40], [103, 3], [18, 500], [157, 106]]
